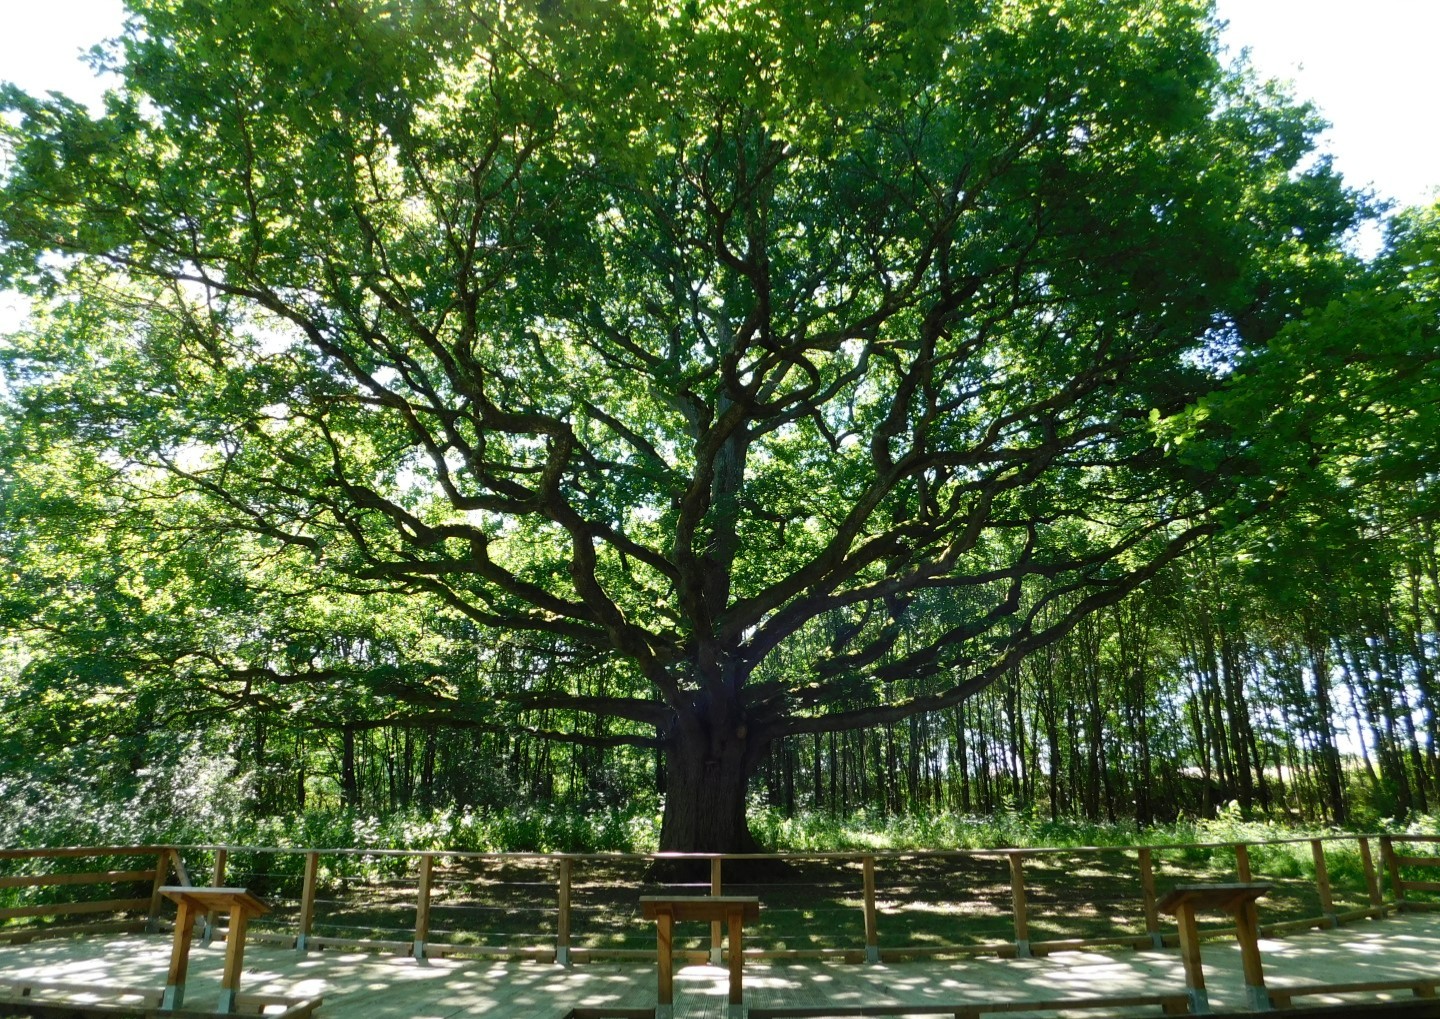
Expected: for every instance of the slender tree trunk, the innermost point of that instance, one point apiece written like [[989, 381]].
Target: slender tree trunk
[[299, 771], [1424, 674], [1239, 713], [1347, 677], [1202, 747], [1389, 654], [835, 796], [1329, 752], [349, 781], [427, 770], [817, 773], [962, 754]]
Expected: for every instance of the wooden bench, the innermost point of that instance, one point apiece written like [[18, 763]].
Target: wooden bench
[[1169, 1004], [192, 904], [668, 910], [1239, 901], [1282, 997], [59, 999]]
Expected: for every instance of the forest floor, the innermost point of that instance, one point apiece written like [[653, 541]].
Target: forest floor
[[925, 901], [357, 985]]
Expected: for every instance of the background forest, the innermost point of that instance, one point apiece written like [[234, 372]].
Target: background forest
[[1284, 673], [575, 426]]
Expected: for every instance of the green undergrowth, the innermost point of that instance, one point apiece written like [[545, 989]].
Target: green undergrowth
[[548, 828], [822, 832], [556, 828], [208, 806]]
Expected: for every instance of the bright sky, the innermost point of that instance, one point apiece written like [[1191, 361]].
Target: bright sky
[[1368, 66]]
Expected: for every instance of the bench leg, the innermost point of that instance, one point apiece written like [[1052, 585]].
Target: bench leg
[[665, 996], [174, 995], [1247, 926], [234, 961], [737, 963], [1190, 956]]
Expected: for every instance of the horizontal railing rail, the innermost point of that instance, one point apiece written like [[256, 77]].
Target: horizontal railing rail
[[855, 905], [123, 900], [828, 854]]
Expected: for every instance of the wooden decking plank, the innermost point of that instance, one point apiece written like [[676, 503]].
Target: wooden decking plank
[[356, 984]]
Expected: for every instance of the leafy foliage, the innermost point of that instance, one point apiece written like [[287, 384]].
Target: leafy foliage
[[661, 379]]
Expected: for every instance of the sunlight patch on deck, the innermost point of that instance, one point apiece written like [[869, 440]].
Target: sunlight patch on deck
[[358, 984]]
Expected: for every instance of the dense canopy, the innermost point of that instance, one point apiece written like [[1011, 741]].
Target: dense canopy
[[731, 370]]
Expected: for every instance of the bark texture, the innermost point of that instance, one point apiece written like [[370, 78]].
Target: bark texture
[[709, 759]]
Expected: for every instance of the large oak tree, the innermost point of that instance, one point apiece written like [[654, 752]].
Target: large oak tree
[[810, 363]]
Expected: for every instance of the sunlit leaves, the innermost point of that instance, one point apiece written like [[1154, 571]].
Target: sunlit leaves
[[681, 332]]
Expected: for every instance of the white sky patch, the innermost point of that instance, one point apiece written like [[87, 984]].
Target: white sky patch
[[1369, 68], [194, 456], [42, 45], [14, 309]]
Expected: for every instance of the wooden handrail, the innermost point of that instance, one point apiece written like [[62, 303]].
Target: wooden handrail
[[87, 878], [1024, 913], [855, 855], [69, 851], [72, 908]]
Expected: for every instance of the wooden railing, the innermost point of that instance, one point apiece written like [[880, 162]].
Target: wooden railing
[[48, 869], [1396, 861], [855, 906]]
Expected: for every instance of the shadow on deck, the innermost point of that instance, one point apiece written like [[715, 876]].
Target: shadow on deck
[[1402, 950]]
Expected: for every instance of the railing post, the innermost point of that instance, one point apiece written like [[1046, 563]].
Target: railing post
[[562, 920], [182, 876], [1250, 919], [872, 937], [422, 905], [162, 871], [1022, 918], [307, 900], [1392, 868], [1322, 882], [1372, 880], [212, 918], [1190, 959], [1147, 888], [716, 888]]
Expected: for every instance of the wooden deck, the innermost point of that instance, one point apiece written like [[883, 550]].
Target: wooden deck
[[358, 985]]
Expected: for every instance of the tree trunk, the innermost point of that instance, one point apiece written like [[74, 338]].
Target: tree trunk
[[1239, 712], [819, 796], [704, 804], [1330, 754], [427, 770], [707, 776], [349, 782]]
